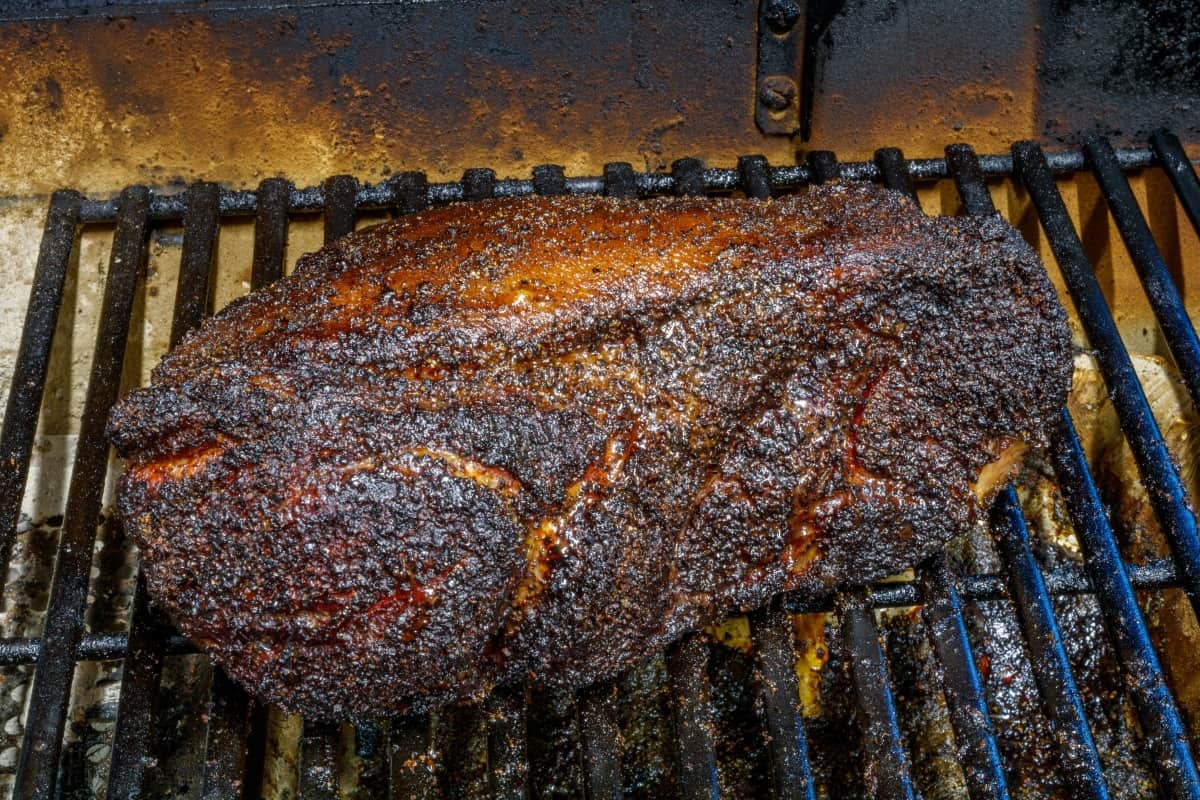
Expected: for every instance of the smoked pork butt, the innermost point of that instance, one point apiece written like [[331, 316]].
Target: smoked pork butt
[[539, 439]]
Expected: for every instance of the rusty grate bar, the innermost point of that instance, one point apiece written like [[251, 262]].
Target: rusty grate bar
[[37, 768], [320, 741], [942, 611], [411, 771], [1151, 269], [1165, 732], [616, 175], [791, 771], [1179, 171], [886, 772], [687, 665], [772, 628], [1060, 696], [601, 749], [33, 359], [508, 758]]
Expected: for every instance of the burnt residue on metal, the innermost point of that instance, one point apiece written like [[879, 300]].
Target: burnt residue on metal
[[649, 768], [990, 72], [236, 94], [95, 101], [836, 745], [1119, 68]]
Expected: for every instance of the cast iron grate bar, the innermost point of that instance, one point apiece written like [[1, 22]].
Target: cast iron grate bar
[[1157, 574], [1164, 730], [886, 775], [688, 174], [340, 193], [317, 761], [1180, 172], [479, 184], [411, 768], [230, 717], [687, 667], [33, 359], [620, 180], [1151, 269], [754, 174], [133, 735], [687, 662], [320, 741], [893, 171], [508, 763], [600, 748], [771, 629], [200, 232], [370, 759], [974, 734], [410, 738], [270, 232], [823, 167], [594, 707], [775, 652], [409, 192], [508, 758], [1051, 670], [49, 695], [1163, 485], [632, 184], [549, 180], [1154, 575]]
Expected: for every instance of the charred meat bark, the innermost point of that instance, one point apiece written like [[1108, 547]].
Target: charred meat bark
[[539, 439]]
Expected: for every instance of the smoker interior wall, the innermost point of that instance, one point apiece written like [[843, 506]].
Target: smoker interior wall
[[97, 95]]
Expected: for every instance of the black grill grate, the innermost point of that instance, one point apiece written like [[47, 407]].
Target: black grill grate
[[237, 725]]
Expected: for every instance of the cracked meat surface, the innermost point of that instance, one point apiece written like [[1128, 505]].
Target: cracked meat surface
[[542, 438]]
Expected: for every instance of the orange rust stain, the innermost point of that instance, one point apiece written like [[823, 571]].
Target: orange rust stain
[[99, 102]]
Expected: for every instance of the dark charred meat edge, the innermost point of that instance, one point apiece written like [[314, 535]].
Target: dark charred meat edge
[[540, 439]]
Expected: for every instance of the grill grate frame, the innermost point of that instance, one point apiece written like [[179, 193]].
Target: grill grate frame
[[237, 724]]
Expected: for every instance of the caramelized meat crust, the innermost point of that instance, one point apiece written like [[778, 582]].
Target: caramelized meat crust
[[540, 439]]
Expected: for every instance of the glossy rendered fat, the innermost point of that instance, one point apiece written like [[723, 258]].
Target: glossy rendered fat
[[540, 439]]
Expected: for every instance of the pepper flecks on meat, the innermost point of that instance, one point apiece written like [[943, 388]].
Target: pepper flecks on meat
[[540, 439]]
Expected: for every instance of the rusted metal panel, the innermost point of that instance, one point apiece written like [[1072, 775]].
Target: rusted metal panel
[[369, 89]]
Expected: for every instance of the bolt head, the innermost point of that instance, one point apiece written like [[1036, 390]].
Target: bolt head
[[777, 92], [781, 15]]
